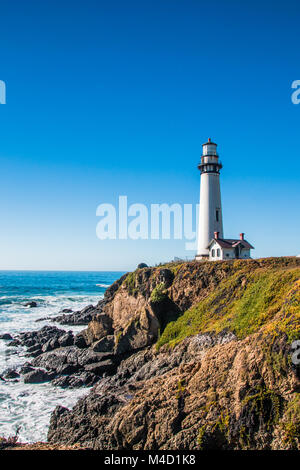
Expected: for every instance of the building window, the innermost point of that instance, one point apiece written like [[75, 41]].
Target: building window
[[227, 254], [213, 253], [218, 252]]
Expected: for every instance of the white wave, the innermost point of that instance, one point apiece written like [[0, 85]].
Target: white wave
[[29, 407], [103, 285]]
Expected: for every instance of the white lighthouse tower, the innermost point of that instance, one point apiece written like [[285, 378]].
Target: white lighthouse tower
[[210, 211]]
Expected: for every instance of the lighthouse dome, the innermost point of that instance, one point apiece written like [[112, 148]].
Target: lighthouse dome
[[209, 148]]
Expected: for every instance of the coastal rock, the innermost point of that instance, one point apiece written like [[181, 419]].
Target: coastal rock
[[74, 362], [34, 351], [140, 332], [98, 368], [27, 367], [85, 379], [53, 359], [180, 406], [31, 304], [6, 336], [11, 374], [79, 341], [14, 343], [196, 388], [98, 328], [82, 317], [46, 339], [105, 344], [67, 369], [37, 376], [66, 339]]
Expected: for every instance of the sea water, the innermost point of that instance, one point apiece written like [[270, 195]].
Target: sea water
[[29, 406]]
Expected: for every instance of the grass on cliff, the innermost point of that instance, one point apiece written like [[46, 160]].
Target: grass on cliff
[[246, 301]]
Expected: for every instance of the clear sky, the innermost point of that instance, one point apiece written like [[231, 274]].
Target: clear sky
[[109, 98]]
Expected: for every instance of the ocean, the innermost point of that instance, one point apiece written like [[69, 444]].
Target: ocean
[[29, 406]]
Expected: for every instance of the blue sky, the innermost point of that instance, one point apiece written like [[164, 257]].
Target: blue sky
[[115, 98]]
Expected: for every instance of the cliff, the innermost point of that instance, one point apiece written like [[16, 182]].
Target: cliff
[[204, 354]]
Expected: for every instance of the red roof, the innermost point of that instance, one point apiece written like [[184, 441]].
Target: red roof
[[231, 243]]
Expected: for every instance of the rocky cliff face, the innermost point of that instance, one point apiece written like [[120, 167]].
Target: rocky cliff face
[[204, 354]]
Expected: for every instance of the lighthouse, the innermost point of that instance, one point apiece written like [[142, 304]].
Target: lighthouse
[[211, 243], [210, 210]]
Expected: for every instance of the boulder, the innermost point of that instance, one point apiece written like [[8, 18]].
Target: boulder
[[85, 379], [6, 336], [26, 368], [14, 343], [38, 376], [82, 317], [141, 332], [34, 351], [105, 344], [67, 369], [98, 328], [31, 304], [142, 265], [11, 374], [79, 341], [98, 368], [51, 360], [66, 339]]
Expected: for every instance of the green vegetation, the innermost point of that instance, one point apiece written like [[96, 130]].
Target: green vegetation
[[180, 389], [244, 302], [291, 423], [130, 283], [258, 404], [221, 425], [159, 293]]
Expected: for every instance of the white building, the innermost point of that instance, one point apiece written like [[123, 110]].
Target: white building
[[211, 244], [222, 249]]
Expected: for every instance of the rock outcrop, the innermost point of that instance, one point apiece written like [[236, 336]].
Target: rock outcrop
[[204, 354]]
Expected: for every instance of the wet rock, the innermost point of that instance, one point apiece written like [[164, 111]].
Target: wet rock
[[46, 339], [11, 374], [31, 304], [14, 343], [82, 317], [86, 379], [26, 368], [38, 376], [6, 336], [34, 351], [69, 355]]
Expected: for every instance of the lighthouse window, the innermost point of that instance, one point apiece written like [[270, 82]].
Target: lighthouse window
[[217, 215]]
